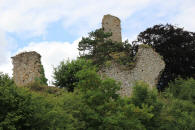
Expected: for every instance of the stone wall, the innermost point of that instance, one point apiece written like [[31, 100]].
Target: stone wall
[[27, 67], [112, 24], [148, 68]]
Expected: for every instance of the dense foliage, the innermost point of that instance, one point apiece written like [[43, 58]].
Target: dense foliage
[[98, 47], [179, 108], [65, 73], [183, 89], [177, 47], [21, 109], [95, 105]]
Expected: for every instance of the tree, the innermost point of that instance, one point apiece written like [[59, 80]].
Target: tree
[[65, 73], [177, 47], [98, 47], [5, 80], [178, 111], [183, 89], [21, 109], [102, 107], [144, 97]]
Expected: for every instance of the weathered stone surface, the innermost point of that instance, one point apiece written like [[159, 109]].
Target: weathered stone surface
[[148, 68], [27, 67], [112, 24]]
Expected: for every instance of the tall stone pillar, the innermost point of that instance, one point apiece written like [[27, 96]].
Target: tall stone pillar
[[112, 24], [27, 67]]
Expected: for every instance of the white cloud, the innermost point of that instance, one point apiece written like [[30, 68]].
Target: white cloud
[[34, 16], [53, 53], [185, 18], [6, 45], [6, 67], [3, 47]]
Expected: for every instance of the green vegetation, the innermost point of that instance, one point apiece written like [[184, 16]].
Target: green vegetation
[[65, 73], [100, 49], [22, 109], [95, 105], [82, 100], [176, 45], [43, 79], [183, 89]]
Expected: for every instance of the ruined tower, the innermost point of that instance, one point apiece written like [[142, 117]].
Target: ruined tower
[[148, 64], [112, 24], [27, 67]]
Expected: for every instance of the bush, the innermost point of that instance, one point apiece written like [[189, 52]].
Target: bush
[[95, 104], [18, 109], [43, 89], [143, 96], [183, 89], [65, 73], [178, 115], [102, 108], [5, 80], [21, 109]]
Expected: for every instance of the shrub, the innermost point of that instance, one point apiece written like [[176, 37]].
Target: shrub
[[177, 114], [5, 80], [102, 108], [183, 89], [18, 109], [65, 73], [21, 109], [143, 96]]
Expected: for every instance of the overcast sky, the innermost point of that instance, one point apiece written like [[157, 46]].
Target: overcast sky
[[53, 28]]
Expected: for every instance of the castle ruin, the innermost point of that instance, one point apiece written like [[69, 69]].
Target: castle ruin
[[148, 68], [148, 64], [27, 67], [112, 24]]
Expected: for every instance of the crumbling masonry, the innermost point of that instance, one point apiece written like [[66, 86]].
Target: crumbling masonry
[[112, 24], [27, 67], [148, 65]]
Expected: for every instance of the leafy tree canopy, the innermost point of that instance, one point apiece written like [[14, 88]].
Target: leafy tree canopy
[[98, 47], [177, 47], [95, 104], [21, 109], [65, 73]]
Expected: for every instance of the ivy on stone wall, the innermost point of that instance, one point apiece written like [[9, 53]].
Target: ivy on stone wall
[[42, 79]]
